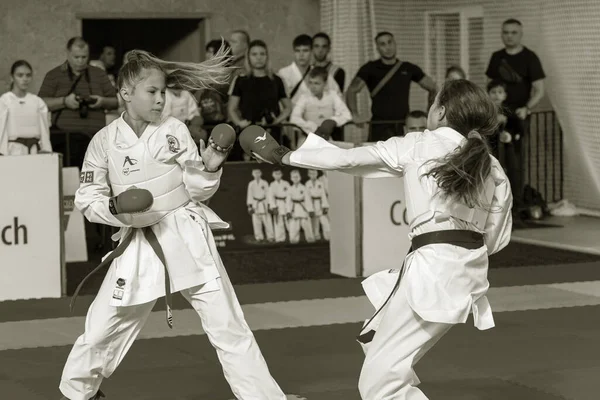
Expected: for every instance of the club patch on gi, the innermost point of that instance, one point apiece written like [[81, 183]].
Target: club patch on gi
[[119, 290], [86, 177], [173, 143]]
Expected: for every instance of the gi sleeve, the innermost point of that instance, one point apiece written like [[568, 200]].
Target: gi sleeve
[[94, 190], [381, 160], [45, 144], [200, 184], [498, 226], [297, 117]]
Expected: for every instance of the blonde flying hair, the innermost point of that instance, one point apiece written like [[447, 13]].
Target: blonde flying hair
[[189, 76]]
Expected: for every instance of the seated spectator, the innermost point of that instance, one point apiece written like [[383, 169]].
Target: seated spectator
[[77, 95], [257, 97], [24, 122], [318, 105], [454, 72], [416, 121]]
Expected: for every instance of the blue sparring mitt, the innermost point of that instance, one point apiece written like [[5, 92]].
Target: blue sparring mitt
[[326, 129], [259, 144], [131, 201]]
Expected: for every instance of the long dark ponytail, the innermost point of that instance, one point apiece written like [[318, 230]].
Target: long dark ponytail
[[469, 111]]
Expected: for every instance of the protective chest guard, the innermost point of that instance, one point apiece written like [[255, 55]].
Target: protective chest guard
[[20, 119], [134, 166], [421, 207]]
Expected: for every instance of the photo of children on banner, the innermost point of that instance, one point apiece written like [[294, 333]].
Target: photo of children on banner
[[287, 211]]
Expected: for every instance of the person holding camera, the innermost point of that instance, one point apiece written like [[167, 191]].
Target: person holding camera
[[77, 94]]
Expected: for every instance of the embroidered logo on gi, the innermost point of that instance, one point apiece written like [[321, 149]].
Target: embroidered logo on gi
[[86, 177], [119, 291], [120, 282], [131, 162], [173, 143]]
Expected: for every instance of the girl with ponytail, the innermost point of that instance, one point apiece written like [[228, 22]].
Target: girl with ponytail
[[144, 174], [458, 202]]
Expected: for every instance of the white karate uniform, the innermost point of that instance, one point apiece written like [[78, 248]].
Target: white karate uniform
[[320, 220], [182, 106], [291, 75], [309, 111], [299, 206], [278, 192], [441, 283], [257, 199], [165, 161], [25, 118]]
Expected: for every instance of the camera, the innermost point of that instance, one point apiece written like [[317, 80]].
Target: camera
[[84, 103]]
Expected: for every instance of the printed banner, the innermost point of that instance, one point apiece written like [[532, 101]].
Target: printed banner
[[271, 205]]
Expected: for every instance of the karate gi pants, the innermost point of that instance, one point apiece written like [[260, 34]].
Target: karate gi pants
[[294, 225], [110, 332], [260, 220], [400, 341], [320, 225]]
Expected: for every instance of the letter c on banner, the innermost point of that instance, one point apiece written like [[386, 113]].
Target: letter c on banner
[[394, 220]]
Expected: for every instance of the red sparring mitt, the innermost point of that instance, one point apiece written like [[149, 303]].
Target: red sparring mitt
[[326, 129], [222, 138], [131, 201], [259, 144]]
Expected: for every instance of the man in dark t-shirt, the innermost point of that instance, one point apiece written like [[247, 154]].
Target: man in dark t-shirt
[[521, 71], [390, 102]]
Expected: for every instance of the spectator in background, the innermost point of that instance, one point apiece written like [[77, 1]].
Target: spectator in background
[[107, 63], [521, 71], [455, 72], [23, 116], [257, 97], [388, 80], [77, 95], [239, 40], [294, 75], [321, 46], [497, 92], [315, 107], [416, 121]]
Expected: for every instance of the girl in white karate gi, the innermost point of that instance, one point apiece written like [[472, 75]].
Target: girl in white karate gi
[[24, 122], [168, 248], [458, 202]]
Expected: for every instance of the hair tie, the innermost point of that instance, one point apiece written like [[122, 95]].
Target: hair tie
[[474, 135]]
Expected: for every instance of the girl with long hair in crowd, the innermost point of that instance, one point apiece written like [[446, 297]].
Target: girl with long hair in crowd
[[458, 202], [24, 121], [145, 175]]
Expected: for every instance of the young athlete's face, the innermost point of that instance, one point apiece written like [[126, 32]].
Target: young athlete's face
[[316, 86], [498, 95], [512, 35], [147, 100], [256, 173], [22, 78], [386, 46], [415, 124], [258, 57], [320, 49], [312, 174], [277, 175], [295, 177], [302, 55]]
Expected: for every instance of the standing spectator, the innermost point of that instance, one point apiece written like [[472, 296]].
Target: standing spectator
[[294, 75], [107, 62], [388, 80], [257, 97], [77, 95], [23, 116], [454, 72], [240, 41], [318, 105], [321, 46], [521, 71]]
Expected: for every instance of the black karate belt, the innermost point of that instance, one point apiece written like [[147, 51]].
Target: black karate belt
[[27, 142], [118, 251], [466, 239]]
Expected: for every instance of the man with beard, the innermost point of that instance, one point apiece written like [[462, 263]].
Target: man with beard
[[321, 46], [388, 80]]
